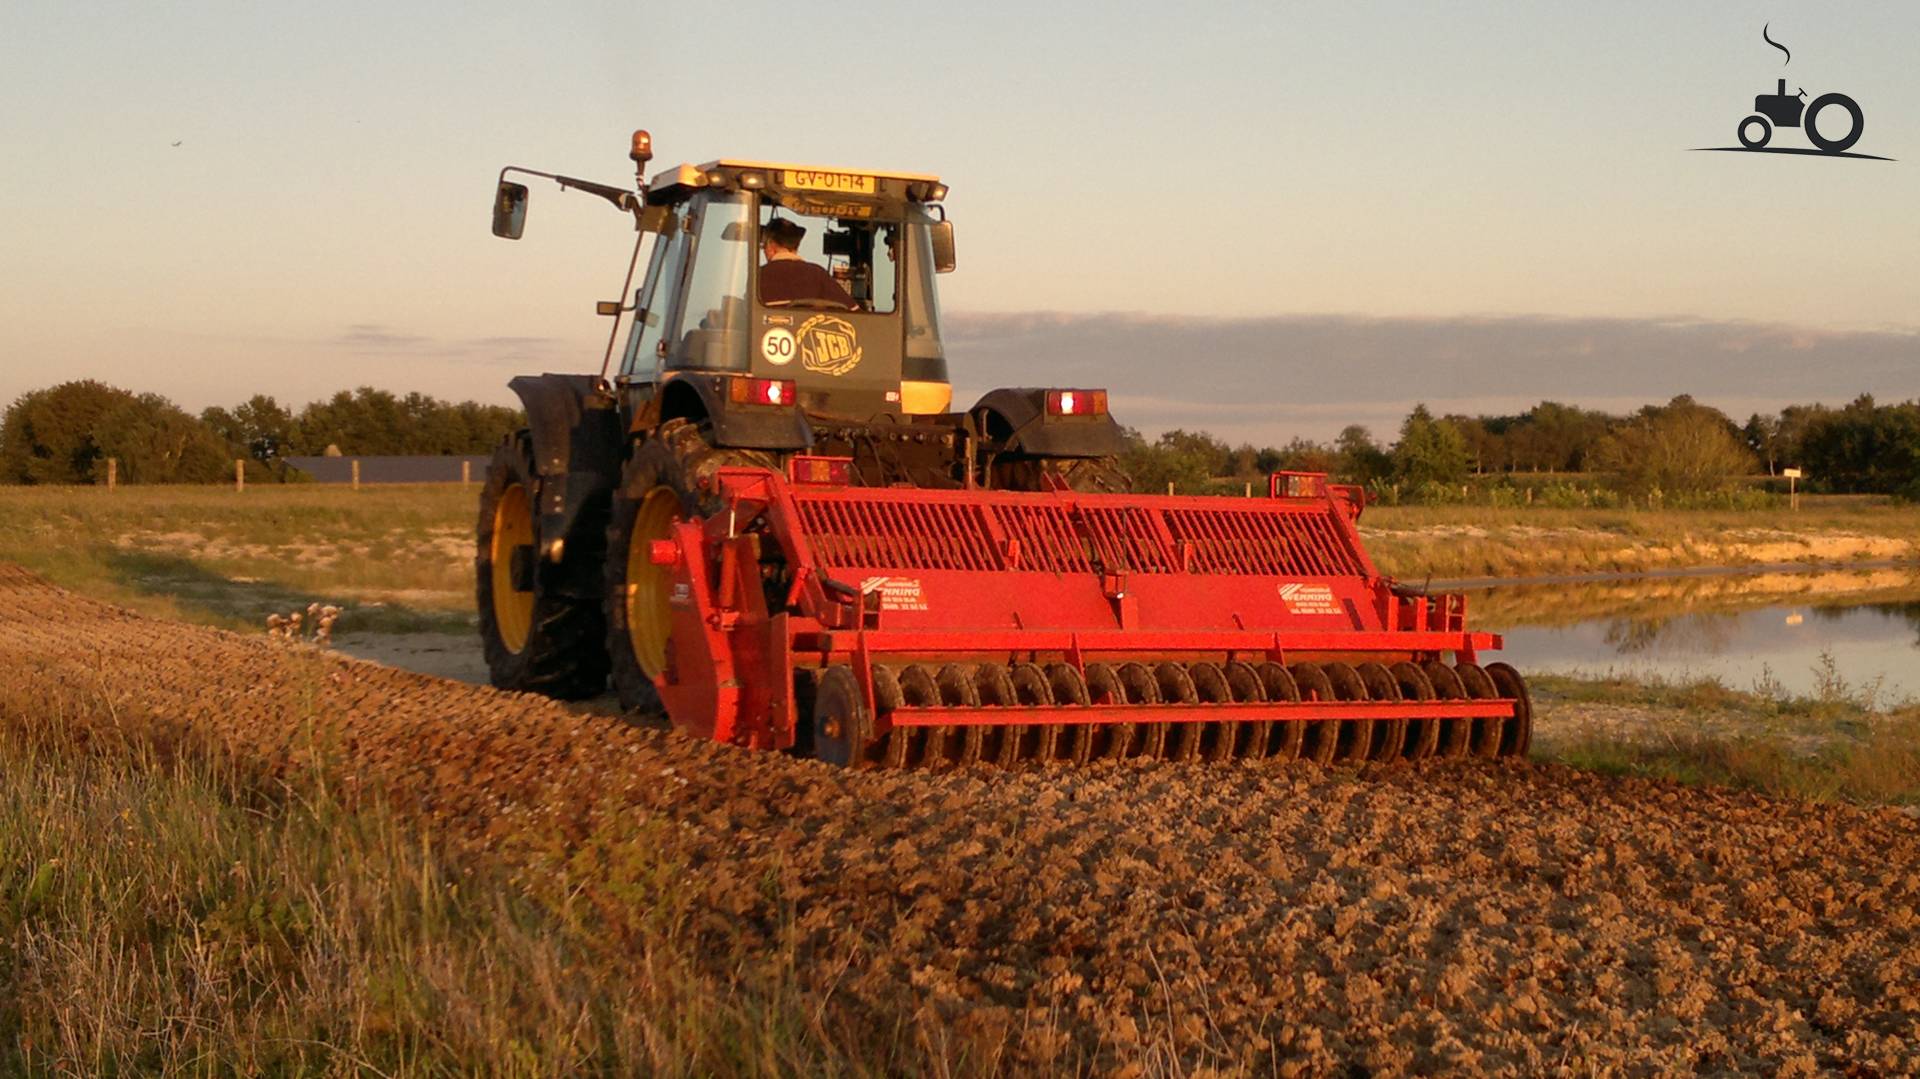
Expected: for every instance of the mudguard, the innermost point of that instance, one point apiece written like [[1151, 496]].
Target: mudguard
[[697, 396], [1018, 417], [578, 445]]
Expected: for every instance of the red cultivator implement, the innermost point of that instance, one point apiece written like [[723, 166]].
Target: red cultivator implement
[[911, 627]]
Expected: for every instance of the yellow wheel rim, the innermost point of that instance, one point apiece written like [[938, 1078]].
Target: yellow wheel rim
[[649, 618], [512, 527]]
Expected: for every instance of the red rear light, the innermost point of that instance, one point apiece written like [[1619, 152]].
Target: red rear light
[[832, 471], [777, 392], [1076, 402], [1297, 485]]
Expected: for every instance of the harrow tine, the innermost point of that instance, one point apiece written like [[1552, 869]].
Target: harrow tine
[[1243, 684], [1356, 735], [1322, 737], [1176, 687], [1389, 735], [1423, 735], [1456, 735], [1486, 732], [1516, 734]]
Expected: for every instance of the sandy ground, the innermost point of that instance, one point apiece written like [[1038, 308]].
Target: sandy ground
[[1456, 917]]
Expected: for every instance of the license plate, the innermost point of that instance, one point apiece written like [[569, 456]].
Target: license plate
[[844, 182]]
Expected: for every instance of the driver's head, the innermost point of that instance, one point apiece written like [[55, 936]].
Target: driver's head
[[782, 234]]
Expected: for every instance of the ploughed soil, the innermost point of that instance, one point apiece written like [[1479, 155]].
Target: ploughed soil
[[1455, 917]]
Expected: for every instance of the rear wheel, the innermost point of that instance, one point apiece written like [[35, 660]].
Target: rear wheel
[[536, 639], [666, 480]]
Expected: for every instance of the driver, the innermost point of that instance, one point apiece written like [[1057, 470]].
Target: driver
[[787, 277]]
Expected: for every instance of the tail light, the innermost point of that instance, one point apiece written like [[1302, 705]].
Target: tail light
[[777, 392], [831, 471], [1076, 402], [1297, 485]]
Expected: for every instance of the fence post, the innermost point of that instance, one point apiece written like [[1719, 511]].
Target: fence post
[[1169, 486], [239, 474], [466, 472], [356, 473], [113, 473]]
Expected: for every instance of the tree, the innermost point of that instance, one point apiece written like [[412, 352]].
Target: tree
[[1186, 459], [1682, 447], [1866, 447], [65, 433], [1360, 458], [1429, 450], [259, 425]]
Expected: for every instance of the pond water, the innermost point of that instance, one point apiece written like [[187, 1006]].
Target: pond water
[[1806, 634]]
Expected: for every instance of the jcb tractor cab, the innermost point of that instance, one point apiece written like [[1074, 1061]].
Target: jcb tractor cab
[[845, 381]]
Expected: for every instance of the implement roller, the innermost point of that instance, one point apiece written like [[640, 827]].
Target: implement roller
[[894, 627]]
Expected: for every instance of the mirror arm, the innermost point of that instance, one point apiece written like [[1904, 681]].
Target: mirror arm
[[622, 199]]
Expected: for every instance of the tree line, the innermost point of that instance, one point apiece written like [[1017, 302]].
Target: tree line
[[1682, 448], [66, 433]]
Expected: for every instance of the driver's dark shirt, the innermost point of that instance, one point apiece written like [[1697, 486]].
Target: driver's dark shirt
[[787, 280]]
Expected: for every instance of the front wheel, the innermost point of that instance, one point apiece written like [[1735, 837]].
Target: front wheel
[[1758, 139], [1840, 145]]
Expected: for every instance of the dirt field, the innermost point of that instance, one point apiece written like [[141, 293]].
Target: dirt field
[[1151, 919]]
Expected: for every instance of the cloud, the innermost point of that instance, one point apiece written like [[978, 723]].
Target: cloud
[[1268, 379], [373, 339]]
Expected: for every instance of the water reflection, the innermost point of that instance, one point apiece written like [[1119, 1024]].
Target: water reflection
[[1773, 628]]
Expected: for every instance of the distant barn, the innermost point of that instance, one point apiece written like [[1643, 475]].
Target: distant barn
[[391, 469]]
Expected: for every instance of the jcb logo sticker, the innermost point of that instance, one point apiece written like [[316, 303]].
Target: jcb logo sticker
[[1309, 599], [828, 345]]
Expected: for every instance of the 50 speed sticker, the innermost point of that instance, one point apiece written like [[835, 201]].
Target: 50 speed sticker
[[777, 346]]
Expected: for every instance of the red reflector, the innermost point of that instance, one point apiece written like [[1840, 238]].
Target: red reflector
[[1297, 485], [1076, 402], [832, 471], [663, 552], [777, 392]]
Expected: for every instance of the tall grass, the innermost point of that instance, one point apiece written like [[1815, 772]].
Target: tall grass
[[162, 914]]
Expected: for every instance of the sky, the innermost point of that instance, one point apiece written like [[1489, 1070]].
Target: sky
[[1266, 220]]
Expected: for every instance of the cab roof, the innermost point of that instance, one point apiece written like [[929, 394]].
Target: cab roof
[[681, 173], [806, 188]]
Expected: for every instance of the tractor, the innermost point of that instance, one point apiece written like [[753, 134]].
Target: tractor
[[764, 521]]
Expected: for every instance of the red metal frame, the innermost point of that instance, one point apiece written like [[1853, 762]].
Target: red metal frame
[[897, 575]]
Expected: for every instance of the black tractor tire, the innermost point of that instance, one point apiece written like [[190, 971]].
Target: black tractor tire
[[1756, 142], [1840, 145], [535, 640], [678, 461], [1090, 475]]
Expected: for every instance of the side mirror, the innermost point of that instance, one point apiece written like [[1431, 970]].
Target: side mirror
[[510, 210], [943, 247]]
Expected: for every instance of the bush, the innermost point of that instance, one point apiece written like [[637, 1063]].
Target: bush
[[65, 433]]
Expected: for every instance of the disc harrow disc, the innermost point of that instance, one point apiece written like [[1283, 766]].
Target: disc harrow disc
[[1176, 687], [1069, 687], [887, 695], [999, 744], [1111, 741], [1389, 735], [1356, 735], [1486, 732], [1423, 735], [1217, 741], [1141, 688], [925, 746], [1243, 683], [1516, 734], [1321, 742], [1041, 743], [1284, 738], [1456, 735], [957, 691]]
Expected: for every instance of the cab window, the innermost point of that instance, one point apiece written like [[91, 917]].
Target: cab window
[[863, 256], [713, 327]]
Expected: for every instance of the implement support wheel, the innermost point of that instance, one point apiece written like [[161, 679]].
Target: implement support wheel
[[842, 725]]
